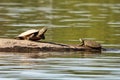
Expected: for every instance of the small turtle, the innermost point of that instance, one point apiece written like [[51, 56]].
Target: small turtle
[[90, 43], [32, 34]]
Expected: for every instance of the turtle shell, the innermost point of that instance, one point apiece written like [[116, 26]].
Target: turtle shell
[[92, 44], [27, 34]]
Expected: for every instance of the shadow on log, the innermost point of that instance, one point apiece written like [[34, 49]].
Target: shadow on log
[[13, 45]]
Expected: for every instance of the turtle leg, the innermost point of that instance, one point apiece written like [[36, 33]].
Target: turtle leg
[[26, 38], [40, 36], [30, 37], [23, 38], [41, 32], [43, 36], [81, 42]]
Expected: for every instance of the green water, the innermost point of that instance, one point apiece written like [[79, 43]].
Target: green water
[[67, 21]]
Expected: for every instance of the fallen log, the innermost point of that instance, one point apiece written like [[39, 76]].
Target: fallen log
[[13, 45]]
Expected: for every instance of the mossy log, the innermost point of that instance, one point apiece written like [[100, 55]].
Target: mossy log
[[13, 45]]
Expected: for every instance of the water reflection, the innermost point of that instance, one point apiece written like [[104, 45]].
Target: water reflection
[[59, 67]]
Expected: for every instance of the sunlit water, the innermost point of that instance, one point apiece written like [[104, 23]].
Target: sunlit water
[[67, 21]]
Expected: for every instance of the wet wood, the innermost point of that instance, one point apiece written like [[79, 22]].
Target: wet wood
[[13, 45]]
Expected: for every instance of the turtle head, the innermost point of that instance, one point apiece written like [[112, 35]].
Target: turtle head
[[81, 42]]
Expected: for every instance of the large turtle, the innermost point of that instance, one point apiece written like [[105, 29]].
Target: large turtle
[[32, 34], [90, 43]]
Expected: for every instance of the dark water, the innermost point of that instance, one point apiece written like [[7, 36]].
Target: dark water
[[67, 21]]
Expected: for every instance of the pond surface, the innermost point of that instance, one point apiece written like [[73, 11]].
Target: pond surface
[[60, 66], [67, 21]]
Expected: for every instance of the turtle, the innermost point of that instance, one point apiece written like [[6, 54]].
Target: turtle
[[32, 34], [90, 44]]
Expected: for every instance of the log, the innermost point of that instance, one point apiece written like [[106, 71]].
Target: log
[[23, 46]]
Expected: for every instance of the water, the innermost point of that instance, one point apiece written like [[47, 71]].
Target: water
[[53, 66], [67, 21]]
